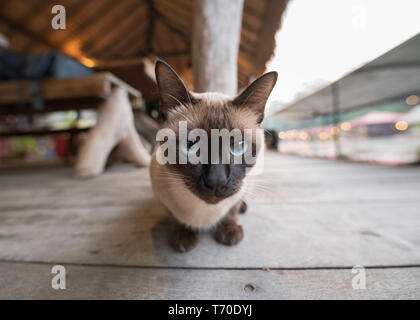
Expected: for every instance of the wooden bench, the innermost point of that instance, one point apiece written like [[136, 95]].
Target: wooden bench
[[85, 92]]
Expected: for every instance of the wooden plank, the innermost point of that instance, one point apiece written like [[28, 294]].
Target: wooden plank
[[33, 281], [251, 21], [82, 20], [321, 214], [293, 236], [27, 32], [176, 14], [133, 16], [244, 64], [272, 22], [86, 86], [180, 12], [181, 32], [101, 25], [94, 85], [132, 37], [298, 185], [249, 35], [40, 24], [302, 181], [256, 8]]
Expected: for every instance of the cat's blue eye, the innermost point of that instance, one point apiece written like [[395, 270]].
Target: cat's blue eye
[[238, 149]]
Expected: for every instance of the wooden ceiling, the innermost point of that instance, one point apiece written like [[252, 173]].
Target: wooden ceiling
[[99, 32]]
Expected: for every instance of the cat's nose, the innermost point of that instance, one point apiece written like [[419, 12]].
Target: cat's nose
[[215, 178]]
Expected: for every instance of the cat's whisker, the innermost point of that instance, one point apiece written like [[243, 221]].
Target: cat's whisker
[[263, 192], [263, 188]]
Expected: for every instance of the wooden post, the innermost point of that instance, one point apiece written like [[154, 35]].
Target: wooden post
[[216, 35]]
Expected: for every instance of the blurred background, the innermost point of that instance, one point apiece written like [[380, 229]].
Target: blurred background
[[347, 91], [123, 38], [351, 91]]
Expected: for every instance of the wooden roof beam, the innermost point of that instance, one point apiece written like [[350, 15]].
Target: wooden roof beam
[[43, 34], [89, 23], [172, 28], [33, 11], [272, 22], [122, 44], [28, 33], [116, 19], [93, 29], [129, 22], [175, 9]]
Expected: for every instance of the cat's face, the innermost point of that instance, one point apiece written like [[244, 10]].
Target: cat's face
[[214, 180], [223, 166]]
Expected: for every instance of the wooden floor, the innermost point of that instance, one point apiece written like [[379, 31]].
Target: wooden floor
[[309, 223]]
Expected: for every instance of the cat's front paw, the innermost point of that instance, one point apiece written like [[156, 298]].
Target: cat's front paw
[[229, 233], [183, 239]]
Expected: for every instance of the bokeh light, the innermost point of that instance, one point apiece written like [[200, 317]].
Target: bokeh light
[[401, 125], [412, 100], [323, 135]]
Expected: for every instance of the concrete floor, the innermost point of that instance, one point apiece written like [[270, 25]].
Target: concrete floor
[[308, 224]]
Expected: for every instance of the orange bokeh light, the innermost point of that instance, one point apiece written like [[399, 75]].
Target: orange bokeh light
[[345, 126], [401, 125]]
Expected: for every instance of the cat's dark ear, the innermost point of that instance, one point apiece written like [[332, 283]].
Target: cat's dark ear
[[257, 93], [172, 90]]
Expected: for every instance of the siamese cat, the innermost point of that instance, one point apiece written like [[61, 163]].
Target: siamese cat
[[208, 195]]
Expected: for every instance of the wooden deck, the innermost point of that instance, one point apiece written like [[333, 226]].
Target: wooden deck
[[316, 220]]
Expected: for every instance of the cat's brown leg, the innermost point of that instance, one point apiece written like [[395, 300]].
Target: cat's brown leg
[[243, 206], [182, 238], [228, 231]]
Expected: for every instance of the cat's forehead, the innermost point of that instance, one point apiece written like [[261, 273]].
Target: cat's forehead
[[213, 98], [213, 111]]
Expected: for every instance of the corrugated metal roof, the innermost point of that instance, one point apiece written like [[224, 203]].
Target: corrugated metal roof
[[393, 75]]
